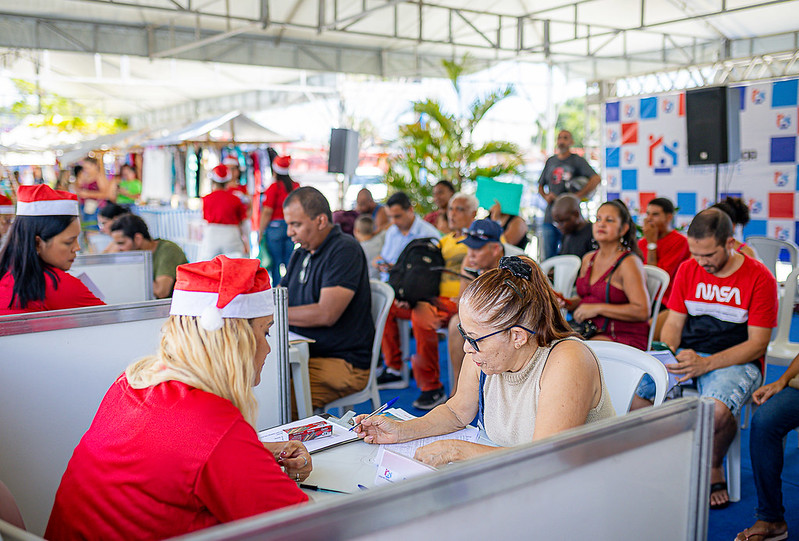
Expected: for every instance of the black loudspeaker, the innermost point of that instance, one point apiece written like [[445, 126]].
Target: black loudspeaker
[[711, 116], [343, 157]]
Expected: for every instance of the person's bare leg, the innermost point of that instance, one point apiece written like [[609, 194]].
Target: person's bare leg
[[659, 322], [724, 427], [455, 351], [639, 403]]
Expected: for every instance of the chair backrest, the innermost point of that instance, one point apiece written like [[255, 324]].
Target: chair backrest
[[622, 367], [657, 281], [565, 269], [768, 250], [382, 298], [779, 349]]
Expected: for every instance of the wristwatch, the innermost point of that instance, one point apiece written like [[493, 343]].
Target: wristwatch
[[652, 246]]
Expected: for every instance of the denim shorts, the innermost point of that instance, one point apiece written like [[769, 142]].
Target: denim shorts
[[732, 386]]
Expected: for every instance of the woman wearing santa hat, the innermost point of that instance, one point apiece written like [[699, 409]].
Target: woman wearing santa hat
[[272, 223], [223, 213], [41, 246], [172, 448]]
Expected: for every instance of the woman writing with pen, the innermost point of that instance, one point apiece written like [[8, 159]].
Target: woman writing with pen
[[172, 448], [529, 376]]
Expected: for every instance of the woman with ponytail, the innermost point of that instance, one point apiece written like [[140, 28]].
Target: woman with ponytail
[[525, 375]]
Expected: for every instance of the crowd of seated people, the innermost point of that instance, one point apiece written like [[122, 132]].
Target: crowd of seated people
[[500, 313]]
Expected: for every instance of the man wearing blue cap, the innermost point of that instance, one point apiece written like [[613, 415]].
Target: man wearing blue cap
[[484, 249]]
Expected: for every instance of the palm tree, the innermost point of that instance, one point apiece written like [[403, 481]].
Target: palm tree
[[440, 145]]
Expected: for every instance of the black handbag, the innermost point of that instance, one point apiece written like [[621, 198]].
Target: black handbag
[[588, 329]]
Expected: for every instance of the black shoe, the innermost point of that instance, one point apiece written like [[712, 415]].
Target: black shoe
[[388, 378], [430, 399]]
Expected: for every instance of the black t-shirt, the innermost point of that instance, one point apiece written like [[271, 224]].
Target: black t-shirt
[[558, 175], [578, 242], [339, 261]]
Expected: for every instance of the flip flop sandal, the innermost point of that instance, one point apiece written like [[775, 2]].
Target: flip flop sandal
[[766, 536], [718, 487]]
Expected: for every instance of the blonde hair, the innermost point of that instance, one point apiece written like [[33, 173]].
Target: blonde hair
[[218, 362]]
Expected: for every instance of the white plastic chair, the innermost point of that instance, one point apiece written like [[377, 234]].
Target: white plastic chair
[[781, 350], [382, 298], [565, 269], [768, 250], [657, 281], [623, 367]]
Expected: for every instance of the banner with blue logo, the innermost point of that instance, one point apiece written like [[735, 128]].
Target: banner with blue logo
[[646, 157]]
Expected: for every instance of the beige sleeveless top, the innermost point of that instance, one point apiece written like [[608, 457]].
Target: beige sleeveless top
[[511, 401]]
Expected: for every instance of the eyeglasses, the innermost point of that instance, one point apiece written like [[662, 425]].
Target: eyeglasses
[[473, 341], [303, 277]]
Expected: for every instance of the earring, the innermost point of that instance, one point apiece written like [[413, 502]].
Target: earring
[[594, 244]]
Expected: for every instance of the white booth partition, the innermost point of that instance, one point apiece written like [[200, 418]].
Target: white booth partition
[[121, 277], [642, 474], [55, 368]]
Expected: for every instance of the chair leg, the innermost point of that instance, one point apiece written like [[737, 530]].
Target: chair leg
[[734, 466]]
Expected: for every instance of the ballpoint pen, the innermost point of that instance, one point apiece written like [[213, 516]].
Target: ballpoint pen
[[375, 412]]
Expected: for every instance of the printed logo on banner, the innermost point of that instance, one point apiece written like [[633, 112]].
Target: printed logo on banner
[[628, 157], [783, 121], [662, 156], [668, 105], [631, 200], [781, 179], [755, 206], [613, 180], [782, 233], [758, 96], [613, 136], [629, 111]]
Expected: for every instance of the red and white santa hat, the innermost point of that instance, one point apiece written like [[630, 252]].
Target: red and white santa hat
[[6, 205], [230, 161], [222, 288], [280, 165], [42, 200], [220, 173]]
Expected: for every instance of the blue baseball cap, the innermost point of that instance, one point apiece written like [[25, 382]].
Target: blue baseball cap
[[481, 232]]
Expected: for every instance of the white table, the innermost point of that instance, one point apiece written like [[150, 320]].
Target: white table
[[344, 467]]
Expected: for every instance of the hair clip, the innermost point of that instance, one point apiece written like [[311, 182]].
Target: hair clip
[[516, 266], [514, 288]]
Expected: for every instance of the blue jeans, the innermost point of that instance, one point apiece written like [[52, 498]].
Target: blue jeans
[[280, 247], [770, 424], [551, 240], [732, 385]]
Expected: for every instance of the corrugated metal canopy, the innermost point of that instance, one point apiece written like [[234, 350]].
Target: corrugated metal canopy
[[588, 39]]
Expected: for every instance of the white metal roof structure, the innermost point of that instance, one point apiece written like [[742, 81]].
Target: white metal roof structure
[[596, 40]]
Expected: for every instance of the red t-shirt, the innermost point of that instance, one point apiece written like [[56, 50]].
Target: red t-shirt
[[68, 293], [223, 207], [275, 195], [672, 250], [164, 461], [240, 191], [720, 309]]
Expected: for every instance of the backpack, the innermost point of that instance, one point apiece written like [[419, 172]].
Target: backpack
[[416, 276]]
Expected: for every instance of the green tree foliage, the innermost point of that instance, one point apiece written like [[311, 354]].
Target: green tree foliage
[[440, 145], [52, 110]]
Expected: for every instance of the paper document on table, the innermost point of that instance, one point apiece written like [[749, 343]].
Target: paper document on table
[[340, 434], [409, 448], [91, 286], [295, 338], [393, 467]]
